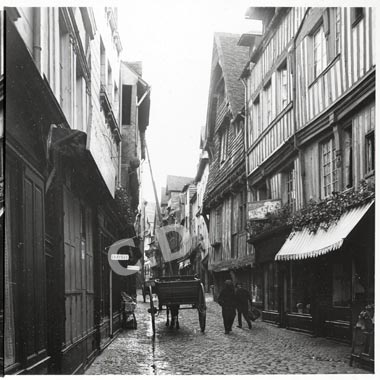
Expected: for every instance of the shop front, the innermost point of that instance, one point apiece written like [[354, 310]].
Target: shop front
[[266, 274], [328, 275]]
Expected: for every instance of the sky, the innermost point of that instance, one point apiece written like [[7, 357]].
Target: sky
[[174, 40]]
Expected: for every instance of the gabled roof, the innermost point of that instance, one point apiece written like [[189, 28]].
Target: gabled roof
[[232, 59], [175, 183]]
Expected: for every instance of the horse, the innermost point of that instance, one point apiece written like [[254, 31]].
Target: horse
[[173, 309]]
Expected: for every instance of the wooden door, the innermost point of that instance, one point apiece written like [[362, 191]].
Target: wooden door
[[79, 269], [34, 302], [73, 268]]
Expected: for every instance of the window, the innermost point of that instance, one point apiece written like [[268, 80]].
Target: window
[[329, 169], [80, 101], [238, 220], [348, 166], [238, 126], [290, 188], [356, 15], [325, 41], [267, 104], [370, 152], [223, 145], [282, 74], [319, 52], [218, 224], [66, 91], [262, 192], [256, 126], [338, 26]]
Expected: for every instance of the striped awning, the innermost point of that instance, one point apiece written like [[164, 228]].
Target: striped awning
[[304, 244]]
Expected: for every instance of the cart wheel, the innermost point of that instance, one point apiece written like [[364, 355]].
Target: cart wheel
[[152, 310], [202, 308]]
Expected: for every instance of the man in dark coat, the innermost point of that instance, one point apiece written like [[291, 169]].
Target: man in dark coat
[[228, 303], [243, 301]]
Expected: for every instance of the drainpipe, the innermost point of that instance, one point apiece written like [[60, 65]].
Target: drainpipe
[[37, 37], [246, 137]]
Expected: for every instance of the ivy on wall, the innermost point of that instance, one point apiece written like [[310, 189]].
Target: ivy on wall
[[324, 213], [314, 215], [123, 205]]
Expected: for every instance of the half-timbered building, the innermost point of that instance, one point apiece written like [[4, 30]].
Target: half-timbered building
[[310, 137], [62, 175], [272, 161], [225, 195], [334, 76]]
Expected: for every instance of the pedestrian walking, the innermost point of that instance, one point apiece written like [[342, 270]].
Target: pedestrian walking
[[228, 303], [243, 304]]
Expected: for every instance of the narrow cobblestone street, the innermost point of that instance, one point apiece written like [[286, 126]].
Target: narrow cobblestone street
[[266, 349]]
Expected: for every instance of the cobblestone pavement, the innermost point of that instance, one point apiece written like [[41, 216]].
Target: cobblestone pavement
[[266, 349]]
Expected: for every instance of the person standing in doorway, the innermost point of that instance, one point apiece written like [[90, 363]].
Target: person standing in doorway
[[243, 302], [228, 303]]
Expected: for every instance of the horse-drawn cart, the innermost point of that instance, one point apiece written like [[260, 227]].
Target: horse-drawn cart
[[180, 292]]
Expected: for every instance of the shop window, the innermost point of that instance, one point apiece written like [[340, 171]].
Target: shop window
[[370, 152], [342, 284], [271, 287], [329, 175], [299, 288]]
